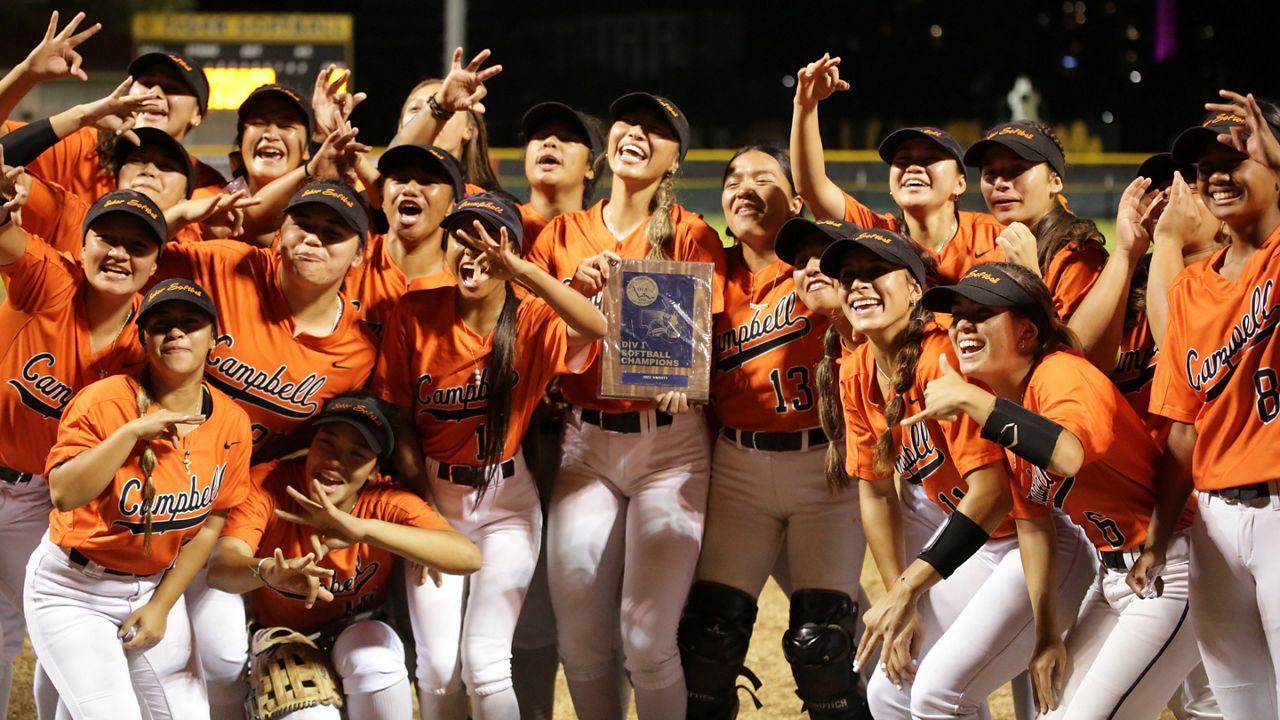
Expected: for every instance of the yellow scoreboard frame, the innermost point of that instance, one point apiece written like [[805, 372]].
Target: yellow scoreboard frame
[[241, 51]]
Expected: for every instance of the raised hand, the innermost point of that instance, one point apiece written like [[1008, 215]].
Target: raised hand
[[13, 189], [330, 104], [502, 263], [819, 80], [56, 55], [1261, 145], [1019, 246], [335, 527], [593, 273], [1181, 222], [1132, 236], [336, 159], [161, 422], [297, 576], [463, 88], [949, 394], [115, 112]]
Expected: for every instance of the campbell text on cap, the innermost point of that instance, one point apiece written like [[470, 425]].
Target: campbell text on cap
[[366, 415], [130, 202], [545, 113], [342, 199], [492, 210], [660, 105], [796, 231], [152, 137], [885, 244], [941, 138], [424, 156], [190, 72], [1022, 138]]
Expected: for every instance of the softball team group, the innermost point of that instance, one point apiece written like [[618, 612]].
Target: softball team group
[[295, 444]]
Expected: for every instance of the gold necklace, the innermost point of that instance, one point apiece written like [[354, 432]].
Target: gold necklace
[[102, 370], [475, 360], [764, 305]]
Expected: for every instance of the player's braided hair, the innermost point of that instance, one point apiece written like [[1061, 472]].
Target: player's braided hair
[[148, 463], [662, 227], [1059, 336], [901, 380], [502, 380], [1060, 227], [830, 412]]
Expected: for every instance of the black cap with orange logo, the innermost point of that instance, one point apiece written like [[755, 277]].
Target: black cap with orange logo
[[366, 414], [428, 157], [342, 199], [130, 202], [798, 230], [265, 93], [885, 244], [545, 113], [154, 138], [191, 74], [941, 138], [177, 290], [494, 212], [1194, 141], [1024, 139], [660, 105], [989, 285]]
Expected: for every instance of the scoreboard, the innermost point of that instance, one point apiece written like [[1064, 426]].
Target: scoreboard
[[241, 51]]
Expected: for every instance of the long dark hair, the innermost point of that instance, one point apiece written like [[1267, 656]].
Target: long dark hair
[[1060, 227], [1057, 336], [502, 381], [830, 411]]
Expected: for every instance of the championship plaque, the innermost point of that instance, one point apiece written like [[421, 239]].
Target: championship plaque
[[659, 338]]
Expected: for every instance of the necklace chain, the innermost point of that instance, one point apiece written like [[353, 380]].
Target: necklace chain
[[772, 285]]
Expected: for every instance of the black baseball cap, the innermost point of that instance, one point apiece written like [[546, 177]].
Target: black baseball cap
[[190, 72], [988, 284], [130, 202], [153, 137], [660, 105], [364, 413], [1159, 168], [1192, 142], [177, 290], [494, 211], [426, 156], [941, 138], [342, 199], [886, 244], [1024, 139], [264, 92], [549, 112], [796, 231]]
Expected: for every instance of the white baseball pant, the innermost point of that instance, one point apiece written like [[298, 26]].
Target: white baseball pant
[[369, 658], [1128, 654], [224, 653], [462, 630], [1235, 601], [24, 518], [623, 537], [73, 618]]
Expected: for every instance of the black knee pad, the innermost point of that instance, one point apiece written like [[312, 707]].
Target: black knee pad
[[820, 645], [714, 633]]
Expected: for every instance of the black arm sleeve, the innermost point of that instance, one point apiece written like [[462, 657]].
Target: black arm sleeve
[[27, 142]]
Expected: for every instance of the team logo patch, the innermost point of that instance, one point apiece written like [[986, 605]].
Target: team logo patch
[[272, 390], [169, 511], [455, 402], [762, 334], [1209, 373], [918, 458], [41, 392]]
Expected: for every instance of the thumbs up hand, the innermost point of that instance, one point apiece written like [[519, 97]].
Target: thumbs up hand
[[950, 394]]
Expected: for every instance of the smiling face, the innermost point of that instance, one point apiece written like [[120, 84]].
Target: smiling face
[[923, 175], [756, 196], [1235, 189], [154, 173], [317, 246], [340, 459], [557, 156], [176, 111], [274, 140], [876, 295], [177, 337], [817, 291], [415, 200], [1018, 190], [120, 254], [643, 147], [993, 344]]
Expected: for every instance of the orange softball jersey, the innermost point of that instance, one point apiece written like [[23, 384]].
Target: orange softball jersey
[[362, 572], [280, 377], [109, 529], [766, 346], [1219, 368], [435, 364], [376, 284], [571, 238], [931, 453], [46, 357]]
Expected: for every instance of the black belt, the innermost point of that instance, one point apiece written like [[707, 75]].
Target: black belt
[[1244, 493], [470, 475], [78, 558], [623, 422], [776, 441], [9, 476], [1119, 559]]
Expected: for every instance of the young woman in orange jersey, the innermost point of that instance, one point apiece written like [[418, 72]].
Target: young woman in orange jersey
[[467, 363], [1216, 381], [63, 324], [142, 475], [1023, 167], [327, 527], [926, 180], [769, 492], [953, 631], [1074, 444], [563, 160], [636, 469]]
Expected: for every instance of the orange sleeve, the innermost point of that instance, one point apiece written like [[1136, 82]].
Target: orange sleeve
[[1061, 392], [705, 246], [543, 247], [401, 507], [541, 326], [65, 162], [56, 215], [87, 421], [1071, 275], [391, 377], [33, 279], [866, 218], [1171, 395], [248, 520], [859, 435]]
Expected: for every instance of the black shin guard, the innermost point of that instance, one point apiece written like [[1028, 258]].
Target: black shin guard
[[715, 631], [820, 645]]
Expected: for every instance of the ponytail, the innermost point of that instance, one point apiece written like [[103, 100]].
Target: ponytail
[[502, 381], [662, 227], [903, 378], [148, 463], [830, 412]]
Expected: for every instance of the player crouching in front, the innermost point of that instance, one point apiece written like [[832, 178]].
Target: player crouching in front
[[326, 526], [142, 476]]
